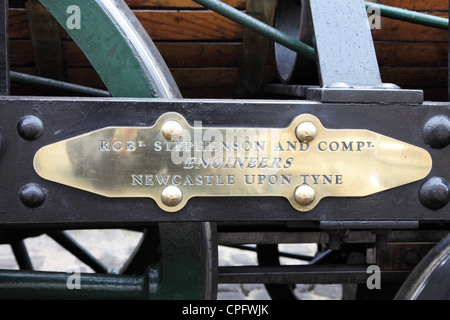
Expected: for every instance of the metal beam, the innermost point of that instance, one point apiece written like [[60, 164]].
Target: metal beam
[[66, 118], [56, 86], [305, 274], [354, 236], [346, 51], [50, 285]]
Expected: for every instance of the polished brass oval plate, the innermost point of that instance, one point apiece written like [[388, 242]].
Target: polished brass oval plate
[[172, 162]]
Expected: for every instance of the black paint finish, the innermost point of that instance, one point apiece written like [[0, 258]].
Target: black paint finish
[[30, 127], [68, 207], [435, 193], [32, 195], [436, 132]]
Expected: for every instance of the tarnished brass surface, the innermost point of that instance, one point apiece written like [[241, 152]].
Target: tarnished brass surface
[[171, 162]]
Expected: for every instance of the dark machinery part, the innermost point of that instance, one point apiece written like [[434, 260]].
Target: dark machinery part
[[30, 123], [429, 280], [294, 18]]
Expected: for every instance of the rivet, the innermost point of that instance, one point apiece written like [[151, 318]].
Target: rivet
[[389, 86], [436, 132], [171, 196], [306, 132], [339, 85], [435, 193], [304, 195], [411, 256], [30, 127], [171, 130], [32, 195]]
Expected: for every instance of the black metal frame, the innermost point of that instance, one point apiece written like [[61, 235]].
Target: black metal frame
[[63, 207], [67, 207]]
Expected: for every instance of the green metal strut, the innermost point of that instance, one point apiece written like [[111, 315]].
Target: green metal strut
[[259, 27], [302, 48]]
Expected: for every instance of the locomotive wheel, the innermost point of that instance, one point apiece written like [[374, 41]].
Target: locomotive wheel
[[429, 279], [129, 64], [294, 19]]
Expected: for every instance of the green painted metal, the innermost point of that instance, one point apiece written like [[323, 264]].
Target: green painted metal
[[185, 269], [58, 285], [259, 27], [185, 264], [410, 16], [106, 48], [302, 48], [181, 274]]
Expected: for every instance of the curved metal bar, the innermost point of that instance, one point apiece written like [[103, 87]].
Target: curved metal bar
[[147, 53], [117, 47], [429, 279]]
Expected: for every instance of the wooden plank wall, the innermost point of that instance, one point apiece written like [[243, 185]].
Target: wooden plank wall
[[202, 49], [414, 56]]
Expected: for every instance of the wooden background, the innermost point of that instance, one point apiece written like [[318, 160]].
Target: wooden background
[[203, 49]]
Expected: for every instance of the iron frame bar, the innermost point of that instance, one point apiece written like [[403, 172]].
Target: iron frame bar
[[21, 284], [61, 87], [281, 275], [322, 237], [65, 118], [305, 274]]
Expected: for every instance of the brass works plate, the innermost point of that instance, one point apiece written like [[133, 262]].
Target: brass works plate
[[171, 162]]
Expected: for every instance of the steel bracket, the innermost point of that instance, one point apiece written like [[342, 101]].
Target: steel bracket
[[346, 59]]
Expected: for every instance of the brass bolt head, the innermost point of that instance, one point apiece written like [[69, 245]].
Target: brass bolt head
[[304, 195], [171, 196], [306, 131], [171, 130]]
